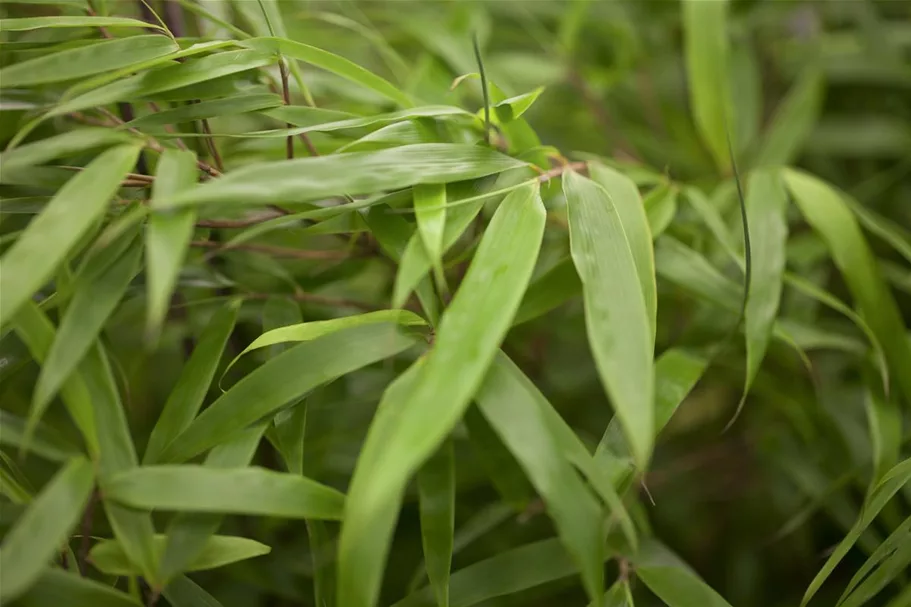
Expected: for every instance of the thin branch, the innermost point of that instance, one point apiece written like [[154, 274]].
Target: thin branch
[[271, 250], [558, 171]]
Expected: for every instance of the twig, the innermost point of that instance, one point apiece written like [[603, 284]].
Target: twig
[[318, 299], [286, 95], [210, 141], [85, 542], [271, 250], [558, 171]]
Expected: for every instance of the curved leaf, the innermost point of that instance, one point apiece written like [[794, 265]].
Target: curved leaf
[[436, 498], [35, 23], [672, 580], [220, 550], [57, 587]]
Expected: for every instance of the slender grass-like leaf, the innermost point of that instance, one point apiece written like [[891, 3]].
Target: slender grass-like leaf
[[332, 63], [660, 207], [58, 587], [617, 322], [436, 499], [213, 108], [255, 491], [706, 53], [890, 559], [465, 344], [94, 300], [307, 179], [30, 545], [58, 146], [187, 396], [42, 441], [34, 23], [879, 496], [167, 235], [766, 204], [793, 120], [884, 418], [636, 225], [826, 212], [284, 379], [308, 119], [672, 580], [512, 108], [525, 431], [108, 556], [896, 236], [86, 61], [430, 213], [184, 592], [51, 236], [499, 464]]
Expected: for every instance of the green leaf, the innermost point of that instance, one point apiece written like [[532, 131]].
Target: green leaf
[[312, 119], [51, 236], [512, 108], [331, 63], [617, 596], [766, 205], [890, 484], [887, 562], [34, 23], [436, 500], [84, 61], [307, 179], [660, 207], [550, 290], [43, 441], [184, 592], [31, 544], [617, 321], [706, 47], [895, 235], [57, 587], [468, 335], [826, 212], [499, 464], [58, 146], [636, 225], [253, 491], [212, 108], [525, 431], [284, 379], [95, 299], [187, 396], [430, 213], [167, 234], [672, 580], [220, 550], [793, 121], [884, 417]]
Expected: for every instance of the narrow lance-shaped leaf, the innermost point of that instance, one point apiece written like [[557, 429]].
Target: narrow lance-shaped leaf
[[184, 592], [50, 237], [793, 121], [58, 146], [237, 104], [38, 534], [167, 234], [466, 341], [34, 23], [884, 418], [672, 580], [660, 207], [524, 429], [706, 46], [58, 587], [108, 556], [886, 564], [617, 322], [436, 499], [44, 441], [500, 465], [430, 213]]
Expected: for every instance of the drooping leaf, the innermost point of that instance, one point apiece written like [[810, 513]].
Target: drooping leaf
[[58, 146], [465, 343], [436, 496], [899, 238], [430, 213], [51, 236], [30, 545], [672, 580], [307, 179], [220, 550], [167, 234], [617, 322], [34, 23], [58, 587], [43, 441], [890, 559]]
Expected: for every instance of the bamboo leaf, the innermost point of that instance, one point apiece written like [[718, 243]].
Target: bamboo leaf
[[57, 587], [34, 23], [58, 146], [616, 317], [85, 61], [499, 464], [890, 560], [465, 343], [212, 108], [220, 550], [255, 491], [309, 119], [706, 50], [513, 108], [307, 179], [895, 235], [51, 236], [430, 213], [167, 234], [43, 441], [672, 580], [184, 592], [436, 498], [660, 207], [36, 537], [284, 379], [793, 121]]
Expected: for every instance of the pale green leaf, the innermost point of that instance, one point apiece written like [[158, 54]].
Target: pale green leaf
[[660, 207], [896, 236], [58, 146], [512, 108], [108, 556], [436, 500], [793, 121], [34, 23], [184, 592], [430, 213], [43, 441]]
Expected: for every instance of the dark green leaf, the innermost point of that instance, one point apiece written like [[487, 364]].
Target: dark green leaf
[[56, 587], [436, 495]]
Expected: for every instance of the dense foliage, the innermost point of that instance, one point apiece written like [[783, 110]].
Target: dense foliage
[[462, 303]]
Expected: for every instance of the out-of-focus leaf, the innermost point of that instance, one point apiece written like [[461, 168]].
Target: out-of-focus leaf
[[51, 236], [307, 179], [550, 290], [525, 431], [469, 333], [229, 106], [87, 61], [617, 321], [187, 396], [436, 496], [58, 146], [184, 592], [636, 225], [331, 63], [793, 120], [890, 559], [306, 119], [284, 379], [617, 596], [43, 441], [895, 235], [94, 300], [660, 207], [497, 461], [57, 587], [766, 205], [825, 210], [706, 42], [888, 486], [30, 545], [512, 108], [884, 417], [167, 234], [34, 23], [257, 491], [220, 550], [430, 213], [672, 580]]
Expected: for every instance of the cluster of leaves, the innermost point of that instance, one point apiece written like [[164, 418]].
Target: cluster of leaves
[[489, 369]]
